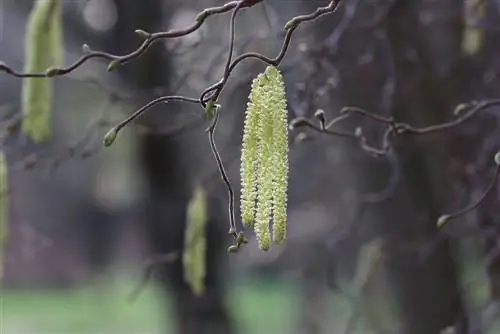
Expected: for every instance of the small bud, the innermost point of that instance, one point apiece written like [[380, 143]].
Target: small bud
[[461, 108], [240, 239], [292, 24], [86, 49], [113, 65], [497, 158], [211, 109], [201, 16], [320, 115], [232, 249], [110, 137], [142, 33], [232, 231], [52, 72], [297, 123], [358, 132], [442, 221], [344, 110]]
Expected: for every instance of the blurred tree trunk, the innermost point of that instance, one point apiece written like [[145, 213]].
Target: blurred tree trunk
[[423, 45], [167, 179], [487, 83], [426, 40]]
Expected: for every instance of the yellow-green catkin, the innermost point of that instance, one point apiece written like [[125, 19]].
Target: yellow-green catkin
[[3, 208], [43, 50], [277, 101], [249, 162], [265, 167], [195, 244], [264, 162], [473, 35]]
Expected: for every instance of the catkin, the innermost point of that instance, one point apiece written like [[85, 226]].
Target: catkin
[[249, 163], [280, 152], [264, 163], [195, 243], [43, 49], [473, 36], [265, 169]]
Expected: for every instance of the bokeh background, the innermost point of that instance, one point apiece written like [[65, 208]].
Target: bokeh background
[[363, 253]]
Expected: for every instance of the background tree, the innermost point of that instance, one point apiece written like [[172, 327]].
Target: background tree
[[373, 183]]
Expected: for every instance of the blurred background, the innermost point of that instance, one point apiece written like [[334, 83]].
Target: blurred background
[[363, 253]]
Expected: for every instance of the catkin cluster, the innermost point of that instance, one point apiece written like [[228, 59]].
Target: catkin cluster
[[264, 159]]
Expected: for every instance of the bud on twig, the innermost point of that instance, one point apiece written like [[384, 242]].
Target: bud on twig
[[110, 137], [86, 49], [442, 221], [497, 158], [113, 65], [320, 116], [143, 34], [52, 72]]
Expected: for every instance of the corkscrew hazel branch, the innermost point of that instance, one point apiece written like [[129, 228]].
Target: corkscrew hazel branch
[[444, 219], [150, 39], [290, 28], [464, 112], [211, 132], [110, 137], [210, 95]]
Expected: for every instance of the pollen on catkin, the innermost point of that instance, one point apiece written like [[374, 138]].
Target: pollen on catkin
[[264, 164], [249, 154], [265, 173], [277, 99]]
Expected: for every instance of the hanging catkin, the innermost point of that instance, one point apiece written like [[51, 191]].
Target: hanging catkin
[[249, 163], [277, 99], [43, 50], [264, 158], [195, 243]]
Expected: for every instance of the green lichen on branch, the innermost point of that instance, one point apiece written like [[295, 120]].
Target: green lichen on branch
[[195, 244], [264, 159], [43, 51]]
